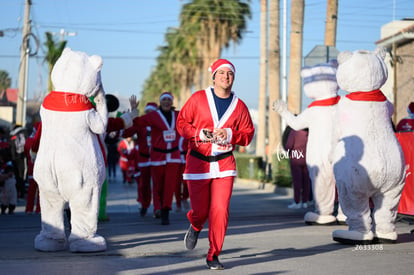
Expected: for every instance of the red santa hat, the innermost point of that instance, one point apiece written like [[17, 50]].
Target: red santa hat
[[221, 63], [151, 106], [410, 109], [166, 95]]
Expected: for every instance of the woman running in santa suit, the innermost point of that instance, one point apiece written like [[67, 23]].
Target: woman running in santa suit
[[214, 121], [164, 154]]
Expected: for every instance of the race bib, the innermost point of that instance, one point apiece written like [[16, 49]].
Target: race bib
[[219, 149], [169, 135]]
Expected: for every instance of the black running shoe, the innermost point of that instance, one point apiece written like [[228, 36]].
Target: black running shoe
[[215, 264], [157, 214], [191, 237], [143, 212]]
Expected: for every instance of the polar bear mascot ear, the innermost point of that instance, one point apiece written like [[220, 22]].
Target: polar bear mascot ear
[[361, 70], [343, 56]]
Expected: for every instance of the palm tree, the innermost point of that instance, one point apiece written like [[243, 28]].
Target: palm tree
[[218, 23], [5, 81], [261, 127], [274, 75], [161, 78], [206, 26], [54, 51], [183, 59], [296, 45]]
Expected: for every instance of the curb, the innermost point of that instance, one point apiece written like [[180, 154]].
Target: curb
[[265, 186]]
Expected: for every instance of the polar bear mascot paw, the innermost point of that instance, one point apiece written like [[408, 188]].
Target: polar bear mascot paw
[[312, 218], [94, 243], [353, 237], [50, 244]]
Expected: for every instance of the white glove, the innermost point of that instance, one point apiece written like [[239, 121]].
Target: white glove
[[133, 102], [279, 106], [134, 113], [100, 97]]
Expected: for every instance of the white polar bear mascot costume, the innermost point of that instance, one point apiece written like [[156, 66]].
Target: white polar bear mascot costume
[[319, 84], [368, 160], [69, 165]]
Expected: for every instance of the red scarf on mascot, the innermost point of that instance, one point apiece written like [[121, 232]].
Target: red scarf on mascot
[[66, 102], [325, 102], [375, 95]]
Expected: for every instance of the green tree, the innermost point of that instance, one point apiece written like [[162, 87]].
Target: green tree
[[206, 26], [217, 23], [5, 81], [182, 59], [161, 78], [54, 51]]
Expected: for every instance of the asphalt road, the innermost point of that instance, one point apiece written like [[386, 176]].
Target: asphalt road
[[263, 237]]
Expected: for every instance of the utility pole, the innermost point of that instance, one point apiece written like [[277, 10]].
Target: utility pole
[[23, 68], [331, 23], [394, 84], [262, 122]]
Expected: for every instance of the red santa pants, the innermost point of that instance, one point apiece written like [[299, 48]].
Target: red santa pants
[[164, 179], [210, 200], [31, 196], [144, 187], [181, 190]]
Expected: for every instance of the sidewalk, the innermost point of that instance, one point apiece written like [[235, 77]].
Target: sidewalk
[[263, 237]]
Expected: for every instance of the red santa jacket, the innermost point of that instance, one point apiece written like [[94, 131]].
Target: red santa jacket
[[143, 140], [211, 160], [164, 137], [126, 154]]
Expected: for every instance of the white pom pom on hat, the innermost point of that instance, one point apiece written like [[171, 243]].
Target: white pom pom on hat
[[166, 95], [221, 63]]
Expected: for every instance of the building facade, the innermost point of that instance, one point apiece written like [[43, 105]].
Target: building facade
[[398, 38]]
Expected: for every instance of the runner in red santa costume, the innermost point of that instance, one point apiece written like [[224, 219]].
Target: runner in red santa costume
[[33, 190], [407, 124], [214, 120], [126, 150], [405, 135], [143, 159], [164, 154]]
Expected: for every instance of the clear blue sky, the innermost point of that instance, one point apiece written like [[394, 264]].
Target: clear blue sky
[[126, 33]]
